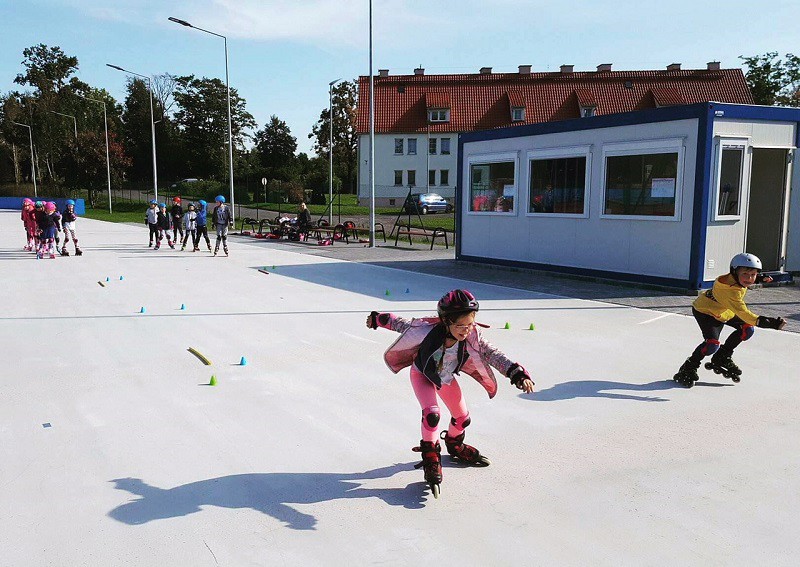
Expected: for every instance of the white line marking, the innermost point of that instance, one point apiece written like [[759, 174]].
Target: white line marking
[[656, 318], [360, 338]]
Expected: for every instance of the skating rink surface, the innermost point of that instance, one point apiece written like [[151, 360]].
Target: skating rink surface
[[115, 451]]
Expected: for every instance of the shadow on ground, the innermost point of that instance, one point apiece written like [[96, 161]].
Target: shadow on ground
[[269, 493], [607, 389]]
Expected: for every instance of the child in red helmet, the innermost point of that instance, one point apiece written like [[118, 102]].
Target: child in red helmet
[[437, 349]]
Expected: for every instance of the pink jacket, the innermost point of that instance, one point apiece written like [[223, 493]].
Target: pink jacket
[[403, 351]]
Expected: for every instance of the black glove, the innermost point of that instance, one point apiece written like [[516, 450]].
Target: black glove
[[373, 320], [770, 322], [517, 374]]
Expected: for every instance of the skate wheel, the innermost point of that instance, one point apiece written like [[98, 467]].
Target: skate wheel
[[435, 490], [688, 383], [708, 366], [736, 379], [484, 462]]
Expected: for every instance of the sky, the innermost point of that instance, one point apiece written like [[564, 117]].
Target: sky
[[283, 53]]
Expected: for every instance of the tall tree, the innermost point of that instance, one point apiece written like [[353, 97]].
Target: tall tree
[[276, 149], [202, 117], [137, 137], [86, 164], [345, 140], [772, 80]]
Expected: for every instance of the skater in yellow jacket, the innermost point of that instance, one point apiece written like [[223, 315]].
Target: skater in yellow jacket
[[724, 305]]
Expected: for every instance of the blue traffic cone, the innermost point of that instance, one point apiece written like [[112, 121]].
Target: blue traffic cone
[[183, 307], [143, 310], [108, 279], [243, 362], [121, 278]]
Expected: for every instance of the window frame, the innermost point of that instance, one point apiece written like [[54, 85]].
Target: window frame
[[396, 171], [444, 180], [441, 147], [445, 117], [480, 159], [435, 146], [719, 143], [564, 152], [408, 146], [408, 177], [521, 110], [588, 111], [402, 146], [642, 147], [431, 178]]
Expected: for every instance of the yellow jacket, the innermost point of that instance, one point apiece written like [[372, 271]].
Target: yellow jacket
[[725, 301]]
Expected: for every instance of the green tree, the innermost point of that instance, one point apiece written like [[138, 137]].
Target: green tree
[[276, 149], [772, 80], [202, 118], [86, 164], [345, 139]]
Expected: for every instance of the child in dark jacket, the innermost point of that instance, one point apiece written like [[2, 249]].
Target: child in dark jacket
[[202, 225], [177, 219], [437, 350], [163, 223]]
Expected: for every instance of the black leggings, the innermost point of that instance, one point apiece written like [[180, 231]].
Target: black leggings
[[202, 231], [712, 329], [153, 232]]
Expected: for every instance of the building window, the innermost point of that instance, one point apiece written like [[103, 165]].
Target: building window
[[641, 184], [517, 114], [412, 177], [412, 146], [444, 177], [588, 111], [558, 185], [432, 177], [729, 179], [432, 146], [391, 202], [492, 187], [445, 146], [439, 115], [398, 146], [398, 176]]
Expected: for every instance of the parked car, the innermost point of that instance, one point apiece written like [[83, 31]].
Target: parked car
[[425, 203], [184, 181]]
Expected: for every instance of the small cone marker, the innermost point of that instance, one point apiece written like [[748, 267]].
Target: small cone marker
[[121, 278], [508, 325], [108, 279], [243, 362], [532, 327], [143, 310], [183, 307], [387, 292], [408, 290], [213, 381]]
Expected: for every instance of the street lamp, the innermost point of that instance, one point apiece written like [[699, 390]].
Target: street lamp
[[33, 169], [152, 123], [330, 148], [108, 160], [371, 140], [228, 86], [74, 120]]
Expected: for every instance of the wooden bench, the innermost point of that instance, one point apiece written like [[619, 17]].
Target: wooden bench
[[351, 231], [413, 231], [247, 221]]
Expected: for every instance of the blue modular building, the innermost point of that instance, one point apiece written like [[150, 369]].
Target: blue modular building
[[665, 196]]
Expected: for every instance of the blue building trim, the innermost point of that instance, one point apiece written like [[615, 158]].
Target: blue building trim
[[702, 197], [15, 203], [635, 278], [459, 189], [754, 112]]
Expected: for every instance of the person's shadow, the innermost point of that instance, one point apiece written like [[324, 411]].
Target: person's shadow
[[606, 389], [268, 493]]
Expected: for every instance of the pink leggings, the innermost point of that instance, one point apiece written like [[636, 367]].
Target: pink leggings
[[451, 396]]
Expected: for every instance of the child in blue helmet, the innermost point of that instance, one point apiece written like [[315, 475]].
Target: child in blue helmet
[[222, 218], [202, 227], [151, 220], [68, 219]]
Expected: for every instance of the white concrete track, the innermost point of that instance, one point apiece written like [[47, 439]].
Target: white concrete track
[[303, 455]]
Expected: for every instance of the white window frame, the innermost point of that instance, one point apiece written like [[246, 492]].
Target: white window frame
[[444, 182], [435, 146], [659, 146], [520, 117], [408, 177], [487, 159], [441, 147], [431, 183], [719, 143], [588, 111], [402, 146], [561, 153], [434, 115], [396, 184], [408, 147]]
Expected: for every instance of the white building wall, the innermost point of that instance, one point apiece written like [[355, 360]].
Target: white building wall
[[726, 238], [649, 247], [386, 162]]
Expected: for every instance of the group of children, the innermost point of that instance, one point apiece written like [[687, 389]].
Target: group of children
[[191, 224], [43, 221], [438, 349]]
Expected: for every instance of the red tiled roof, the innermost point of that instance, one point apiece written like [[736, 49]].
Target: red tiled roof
[[516, 99], [586, 97], [482, 101], [437, 99]]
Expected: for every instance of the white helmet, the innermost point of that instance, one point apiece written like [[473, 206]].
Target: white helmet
[[745, 260]]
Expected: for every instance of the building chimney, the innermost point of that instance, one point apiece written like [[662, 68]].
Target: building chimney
[[486, 71], [383, 72], [567, 68], [674, 67], [603, 67], [419, 71], [712, 65], [525, 69]]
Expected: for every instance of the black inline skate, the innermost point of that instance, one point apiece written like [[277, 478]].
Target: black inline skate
[[431, 464], [687, 374], [460, 451], [722, 363], [64, 251], [78, 251]]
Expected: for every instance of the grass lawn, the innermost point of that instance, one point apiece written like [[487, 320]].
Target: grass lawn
[[122, 212]]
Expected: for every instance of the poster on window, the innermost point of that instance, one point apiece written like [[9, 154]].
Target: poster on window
[[509, 190], [663, 188]]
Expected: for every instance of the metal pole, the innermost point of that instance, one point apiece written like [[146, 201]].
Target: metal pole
[[108, 157], [33, 168], [230, 129], [371, 140], [330, 150], [153, 132], [74, 121]]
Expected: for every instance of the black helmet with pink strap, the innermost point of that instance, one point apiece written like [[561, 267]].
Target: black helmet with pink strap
[[456, 303]]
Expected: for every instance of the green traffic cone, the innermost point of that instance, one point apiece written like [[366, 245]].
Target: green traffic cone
[[213, 381], [508, 325], [532, 327], [387, 292]]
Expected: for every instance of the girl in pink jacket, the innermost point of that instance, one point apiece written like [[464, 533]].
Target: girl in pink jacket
[[437, 349]]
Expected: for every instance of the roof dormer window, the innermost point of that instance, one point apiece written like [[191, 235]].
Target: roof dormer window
[[439, 115], [588, 111], [518, 114]]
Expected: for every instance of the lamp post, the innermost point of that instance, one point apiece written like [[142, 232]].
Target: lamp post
[[33, 168], [74, 120], [152, 123], [371, 140], [108, 159], [228, 87], [330, 149]]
